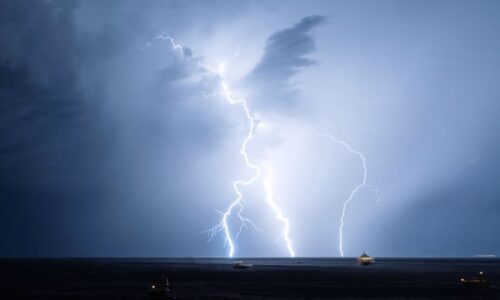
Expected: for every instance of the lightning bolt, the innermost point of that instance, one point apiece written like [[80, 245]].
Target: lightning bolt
[[174, 45], [353, 192], [237, 207], [268, 184], [237, 203]]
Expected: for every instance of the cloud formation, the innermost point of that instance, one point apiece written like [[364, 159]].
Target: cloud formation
[[86, 110], [285, 55], [108, 147]]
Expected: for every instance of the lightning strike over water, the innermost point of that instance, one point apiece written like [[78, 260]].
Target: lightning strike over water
[[237, 205], [353, 192], [279, 214]]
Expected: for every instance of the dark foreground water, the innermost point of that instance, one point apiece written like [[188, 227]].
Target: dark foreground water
[[268, 279]]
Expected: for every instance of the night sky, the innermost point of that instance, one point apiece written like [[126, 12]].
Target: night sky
[[113, 143]]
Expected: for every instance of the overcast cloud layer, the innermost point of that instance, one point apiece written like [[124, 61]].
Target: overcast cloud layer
[[113, 143]]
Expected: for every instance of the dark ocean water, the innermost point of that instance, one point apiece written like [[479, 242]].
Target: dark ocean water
[[269, 278]]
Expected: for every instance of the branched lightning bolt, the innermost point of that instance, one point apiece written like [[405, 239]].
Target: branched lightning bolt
[[353, 192], [237, 205]]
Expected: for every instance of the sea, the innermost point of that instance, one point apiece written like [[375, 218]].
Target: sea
[[265, 278]]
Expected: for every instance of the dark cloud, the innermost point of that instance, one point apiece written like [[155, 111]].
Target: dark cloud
[[85, 110], [437, 222], [285, 55], [41, 103]]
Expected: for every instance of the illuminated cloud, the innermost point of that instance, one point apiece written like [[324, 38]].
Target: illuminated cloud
[[109, 147]]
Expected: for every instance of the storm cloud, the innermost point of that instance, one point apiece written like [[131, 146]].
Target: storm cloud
[[115, 143], [285, 54]]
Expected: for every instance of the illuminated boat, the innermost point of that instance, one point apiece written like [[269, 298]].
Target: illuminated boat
[[161, 291], [479, 281], [365, 259], [239, 264]]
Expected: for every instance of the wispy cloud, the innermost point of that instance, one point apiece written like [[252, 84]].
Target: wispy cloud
[[285, 55]]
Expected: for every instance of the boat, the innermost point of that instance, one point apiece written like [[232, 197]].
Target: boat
[[365, 259], [239, 264], [479, 281], [161, 290]]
